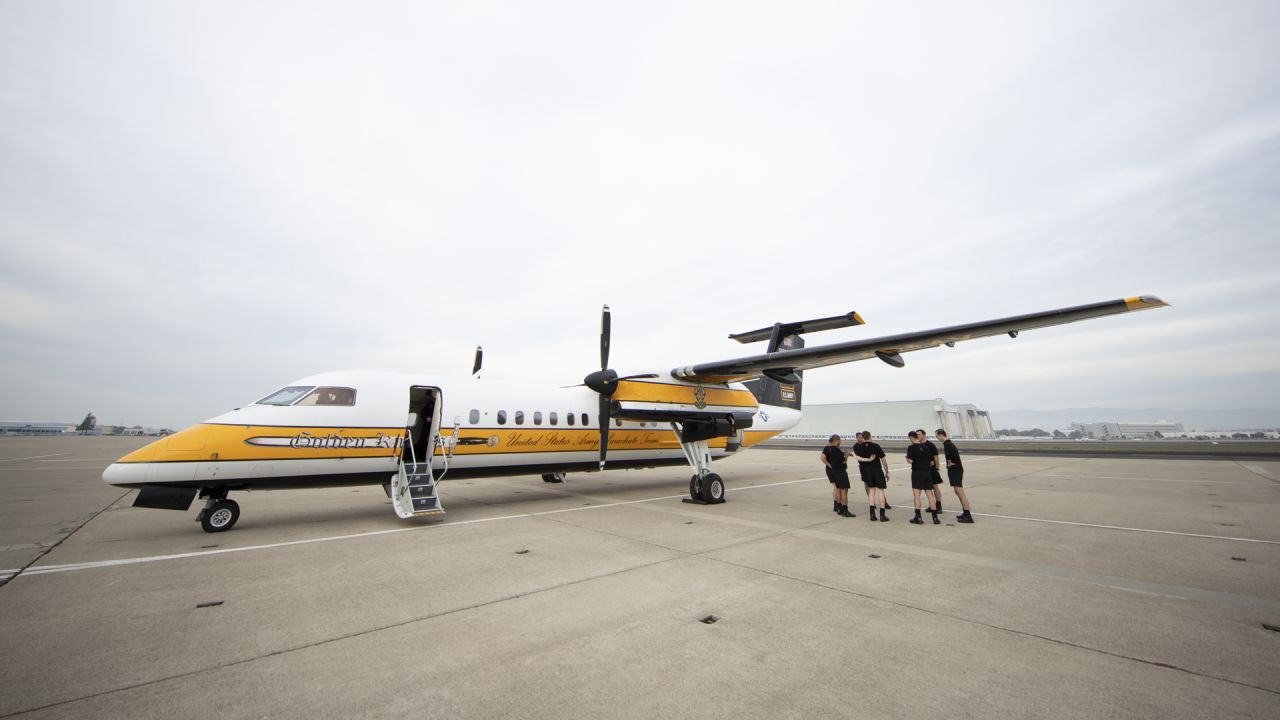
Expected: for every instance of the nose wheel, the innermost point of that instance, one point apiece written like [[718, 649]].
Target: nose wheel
[[708, 489], [219, 515]]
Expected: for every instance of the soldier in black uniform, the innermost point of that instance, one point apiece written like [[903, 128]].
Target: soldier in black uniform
[[955, 473], [833, 458], [874, 466], [921, 463], [935, 474]]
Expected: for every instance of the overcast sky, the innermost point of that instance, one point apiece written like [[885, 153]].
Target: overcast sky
[[200, 202]]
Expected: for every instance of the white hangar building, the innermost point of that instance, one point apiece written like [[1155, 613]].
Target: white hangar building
[[893, 419]]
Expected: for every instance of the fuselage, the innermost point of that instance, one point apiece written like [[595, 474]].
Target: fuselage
[[357, 427]]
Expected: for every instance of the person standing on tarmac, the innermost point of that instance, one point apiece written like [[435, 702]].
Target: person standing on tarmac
[[833, 458], [935, 474], [874, 467], [921, 463], [955, 473]]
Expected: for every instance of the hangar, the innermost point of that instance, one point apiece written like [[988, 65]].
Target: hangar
[[893, 419]]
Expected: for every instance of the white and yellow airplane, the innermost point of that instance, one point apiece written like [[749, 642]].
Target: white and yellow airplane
[[407, 432]]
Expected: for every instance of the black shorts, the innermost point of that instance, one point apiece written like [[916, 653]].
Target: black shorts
[[921, 480], [956, 476], [935, 476], [838, 476], [874, 480]]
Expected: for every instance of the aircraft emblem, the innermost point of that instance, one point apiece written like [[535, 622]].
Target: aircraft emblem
[[699, 397]]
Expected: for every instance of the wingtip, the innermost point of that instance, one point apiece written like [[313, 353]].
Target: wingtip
[[1144, 302]]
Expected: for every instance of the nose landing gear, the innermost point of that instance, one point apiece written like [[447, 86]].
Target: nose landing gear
[[219, 513]]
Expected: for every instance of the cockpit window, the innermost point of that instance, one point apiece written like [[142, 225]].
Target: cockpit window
[[286, 396], [329, 396]]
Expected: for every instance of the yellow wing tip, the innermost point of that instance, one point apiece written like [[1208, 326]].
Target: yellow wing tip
[[857, 319], [1144, 302]]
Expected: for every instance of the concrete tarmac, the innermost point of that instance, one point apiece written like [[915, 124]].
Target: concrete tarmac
[[1088, 587]]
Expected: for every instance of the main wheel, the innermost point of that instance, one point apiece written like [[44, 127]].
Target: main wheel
[[695, 492], [553, 477], [220, 516], [712, 488]]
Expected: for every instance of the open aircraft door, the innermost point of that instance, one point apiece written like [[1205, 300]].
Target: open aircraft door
[[413, 488]]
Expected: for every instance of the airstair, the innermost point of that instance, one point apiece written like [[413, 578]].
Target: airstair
[[413, 489]]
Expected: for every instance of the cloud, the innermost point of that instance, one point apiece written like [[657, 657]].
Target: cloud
[[199, 204]]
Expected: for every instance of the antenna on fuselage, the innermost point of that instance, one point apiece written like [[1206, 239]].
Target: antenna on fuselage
[[475, 367]]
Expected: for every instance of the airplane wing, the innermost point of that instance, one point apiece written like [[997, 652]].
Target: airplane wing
[[783, 365]]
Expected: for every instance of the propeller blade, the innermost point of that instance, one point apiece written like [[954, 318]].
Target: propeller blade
[[605, 331], [605, 407], [475, 367], [637, 377]]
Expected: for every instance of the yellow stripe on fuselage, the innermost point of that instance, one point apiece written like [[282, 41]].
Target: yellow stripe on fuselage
[[227, 443], [752, 437], [207, 442], [540, 440]]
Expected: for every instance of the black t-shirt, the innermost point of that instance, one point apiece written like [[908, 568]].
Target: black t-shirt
[[873, 451], [933, 449], [835, 456], [919, 456], [861, 449], [952, 453]]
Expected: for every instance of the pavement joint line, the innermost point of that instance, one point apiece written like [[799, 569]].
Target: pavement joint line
[[50, 548], [1142, 479], [1259, 471], [1001, 628], [349, 636], [95, 564], [1130, 529], [33, 457]]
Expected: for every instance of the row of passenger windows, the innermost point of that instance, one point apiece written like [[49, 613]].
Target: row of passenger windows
[[518, 417]]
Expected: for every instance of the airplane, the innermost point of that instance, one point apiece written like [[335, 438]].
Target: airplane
[[407, 432]]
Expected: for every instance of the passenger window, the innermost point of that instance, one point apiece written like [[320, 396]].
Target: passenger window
[[537, 417], [519, 417], [553, 418], [585, 422], [502, 417], [568, 417], [474, 417], [330, 396]]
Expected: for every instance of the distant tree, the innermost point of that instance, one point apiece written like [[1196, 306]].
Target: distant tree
[[1239, 436], [88, 423], [1075, 435], [1157, 434], [1037, 432], [1059, 435], [117, 430], [1258, 435]]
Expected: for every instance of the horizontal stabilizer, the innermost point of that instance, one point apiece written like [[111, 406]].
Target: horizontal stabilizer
[[778, 331]]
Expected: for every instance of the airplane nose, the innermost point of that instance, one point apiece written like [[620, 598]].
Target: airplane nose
[[125, 474]]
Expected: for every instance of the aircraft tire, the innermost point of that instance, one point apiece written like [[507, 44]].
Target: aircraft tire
[[553, 477], [712, 488], [695, 492], [221, 516]]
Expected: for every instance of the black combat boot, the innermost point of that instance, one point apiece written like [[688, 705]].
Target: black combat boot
[[916, 520], [885, 518]]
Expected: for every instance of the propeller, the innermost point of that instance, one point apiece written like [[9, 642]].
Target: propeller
[[475, 367], [605, 382]]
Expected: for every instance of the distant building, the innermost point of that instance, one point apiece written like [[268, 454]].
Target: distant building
[[26, 428], [1122, 431], [893, 419]]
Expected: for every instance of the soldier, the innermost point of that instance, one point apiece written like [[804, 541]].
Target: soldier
[[833, 458], [935, 474], [874, 466], [955, 474], [921, 463]]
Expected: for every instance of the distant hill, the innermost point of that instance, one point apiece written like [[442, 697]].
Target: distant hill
[[1232, 419]]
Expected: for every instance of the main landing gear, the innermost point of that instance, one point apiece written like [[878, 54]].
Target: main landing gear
[[705, 486], [219, 513], [553, 477]]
